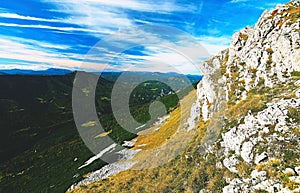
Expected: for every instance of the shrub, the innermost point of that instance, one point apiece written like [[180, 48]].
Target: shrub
[[270, 51], [244, 37], [294, 114], [295, 73]]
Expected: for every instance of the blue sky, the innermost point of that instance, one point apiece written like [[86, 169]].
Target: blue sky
[[40, 34]]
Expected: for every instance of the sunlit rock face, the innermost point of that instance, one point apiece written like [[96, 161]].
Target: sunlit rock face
[[260, 73]]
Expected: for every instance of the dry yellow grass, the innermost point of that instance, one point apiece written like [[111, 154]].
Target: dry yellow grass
[[176, 175], [169, 127], [103, 134], [163, 145], [252, 102]]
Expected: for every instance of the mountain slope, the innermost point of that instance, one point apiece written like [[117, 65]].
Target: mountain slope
[[40, 147], [247, 116]]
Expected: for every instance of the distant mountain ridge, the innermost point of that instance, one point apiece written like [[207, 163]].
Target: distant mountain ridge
[[50, 71], [59, 71]]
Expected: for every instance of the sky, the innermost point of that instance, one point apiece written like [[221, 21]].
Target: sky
[[135, 35]]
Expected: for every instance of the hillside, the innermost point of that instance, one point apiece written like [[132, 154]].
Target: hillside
[[41, 149], [246, 136]]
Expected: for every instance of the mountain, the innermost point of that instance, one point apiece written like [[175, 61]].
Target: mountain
[[243, 125], [40, 147], [138, 76], [50, 71]]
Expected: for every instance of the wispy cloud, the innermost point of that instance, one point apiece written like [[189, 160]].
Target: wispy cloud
[[96, 17], [238, 1], [120, 14], [17, 16], [39, 54], [59, 34], [92, 15], [215, 44], [164, 6], [66, 29]]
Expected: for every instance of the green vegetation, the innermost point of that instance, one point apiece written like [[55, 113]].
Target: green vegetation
[[270, 51], [244, 169], [294, 114], [41, 149], [295, 73]]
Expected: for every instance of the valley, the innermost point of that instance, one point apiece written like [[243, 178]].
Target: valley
[[41, 149]]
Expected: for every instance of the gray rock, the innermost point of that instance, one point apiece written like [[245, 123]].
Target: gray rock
[[289, 171], [259, 158], [260, 176], [246, 152], [295, 179], [230, 163]]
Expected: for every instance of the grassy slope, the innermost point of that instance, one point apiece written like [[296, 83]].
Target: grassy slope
[[178, 175], [39, 140]]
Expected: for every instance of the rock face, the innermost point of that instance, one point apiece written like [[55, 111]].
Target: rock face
[[267, 53], [260, 74]]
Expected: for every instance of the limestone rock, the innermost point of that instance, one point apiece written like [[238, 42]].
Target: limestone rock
[[295, 179], [261, 157], [289, 171], [230, 163]]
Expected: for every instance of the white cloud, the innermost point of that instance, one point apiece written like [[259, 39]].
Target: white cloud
[[238, 1], [142, 5], [16, 50], [162, 57], [17, 16], [160, 53], [113, 15], [215, 44], [166, 62], [184, 57], [91, 15], [25, 66], [66, 29], [41, 44], [99, 17], [92, 19]]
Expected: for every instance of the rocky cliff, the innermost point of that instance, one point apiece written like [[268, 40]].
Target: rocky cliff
[[260, 72]]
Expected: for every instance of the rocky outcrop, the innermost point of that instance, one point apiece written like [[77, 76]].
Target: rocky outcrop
[[243, 138], [260, 74], [267, 53]]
